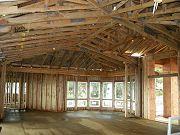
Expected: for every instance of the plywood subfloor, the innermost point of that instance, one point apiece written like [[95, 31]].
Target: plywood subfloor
[[78, 123]]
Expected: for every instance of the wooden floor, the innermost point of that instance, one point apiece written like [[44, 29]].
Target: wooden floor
[[78, 123]]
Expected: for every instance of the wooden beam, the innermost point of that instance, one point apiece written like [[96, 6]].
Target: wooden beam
[[163, 75], [139, 6], [162, 55], [39, 32], [65, 71], [128, 24], [110, 2], [16, 10], [78, 2], [25, 36], [163, 30], [159, 12], [141, 30], [83, 44]]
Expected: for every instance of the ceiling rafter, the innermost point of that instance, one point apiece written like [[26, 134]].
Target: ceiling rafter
[[109, 34], [135, 27]]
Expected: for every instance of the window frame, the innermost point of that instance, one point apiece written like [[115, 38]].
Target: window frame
[[99, 91]]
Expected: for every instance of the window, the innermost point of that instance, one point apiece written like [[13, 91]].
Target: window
[[94, 94], [71, 89], [94, 90], [25, 87], [82, 90], [70, 103], [78, 95], [107, 90], [119, 88], [133, 95], [129, 90], [107, 103], [82, 103], [119, 104], [94, 103], [107, 94]]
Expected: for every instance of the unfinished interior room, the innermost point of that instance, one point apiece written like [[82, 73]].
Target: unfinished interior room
[[89, 67]]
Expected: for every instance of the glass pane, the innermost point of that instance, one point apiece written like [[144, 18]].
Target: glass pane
[[119, 104], [82, 90], [107, 103], [107, 90], [94, 103], [129, 90], [70, 103], [129, 104], [119, 88], [25, 87], [95, 90], [133, 90], [82, 103], [71, 89], [134, 106]]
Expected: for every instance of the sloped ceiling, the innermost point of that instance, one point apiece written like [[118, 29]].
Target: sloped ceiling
[[86, 33]]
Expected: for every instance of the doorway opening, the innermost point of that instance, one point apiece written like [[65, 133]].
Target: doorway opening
[[159, 97]]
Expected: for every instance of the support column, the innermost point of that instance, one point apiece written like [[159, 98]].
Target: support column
[[2, 89], [167, 90], [76, 93], [178, 63], [21, 92], [64, 82], [101, 94], [138, 89], [27, 91], [145, 89], [131, 93], [174, 88], [151, 92], [126, 91], [113, 94], [88, 92]]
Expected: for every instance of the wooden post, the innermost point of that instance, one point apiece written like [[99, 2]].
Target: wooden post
[[151, 92], [178, 63], [76, 92], [27, 91], [101, 94], [131, 93], [6, 95], [20, 91], [11, 90], [64, 79], [138, 89], [2, 89], [88, 93], [145, 89], [15, 95], [24, 91], [113, 94], [8, 90], [167, 89], [126, 91]]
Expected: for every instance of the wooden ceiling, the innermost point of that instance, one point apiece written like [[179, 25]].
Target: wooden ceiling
[[86, 34]]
